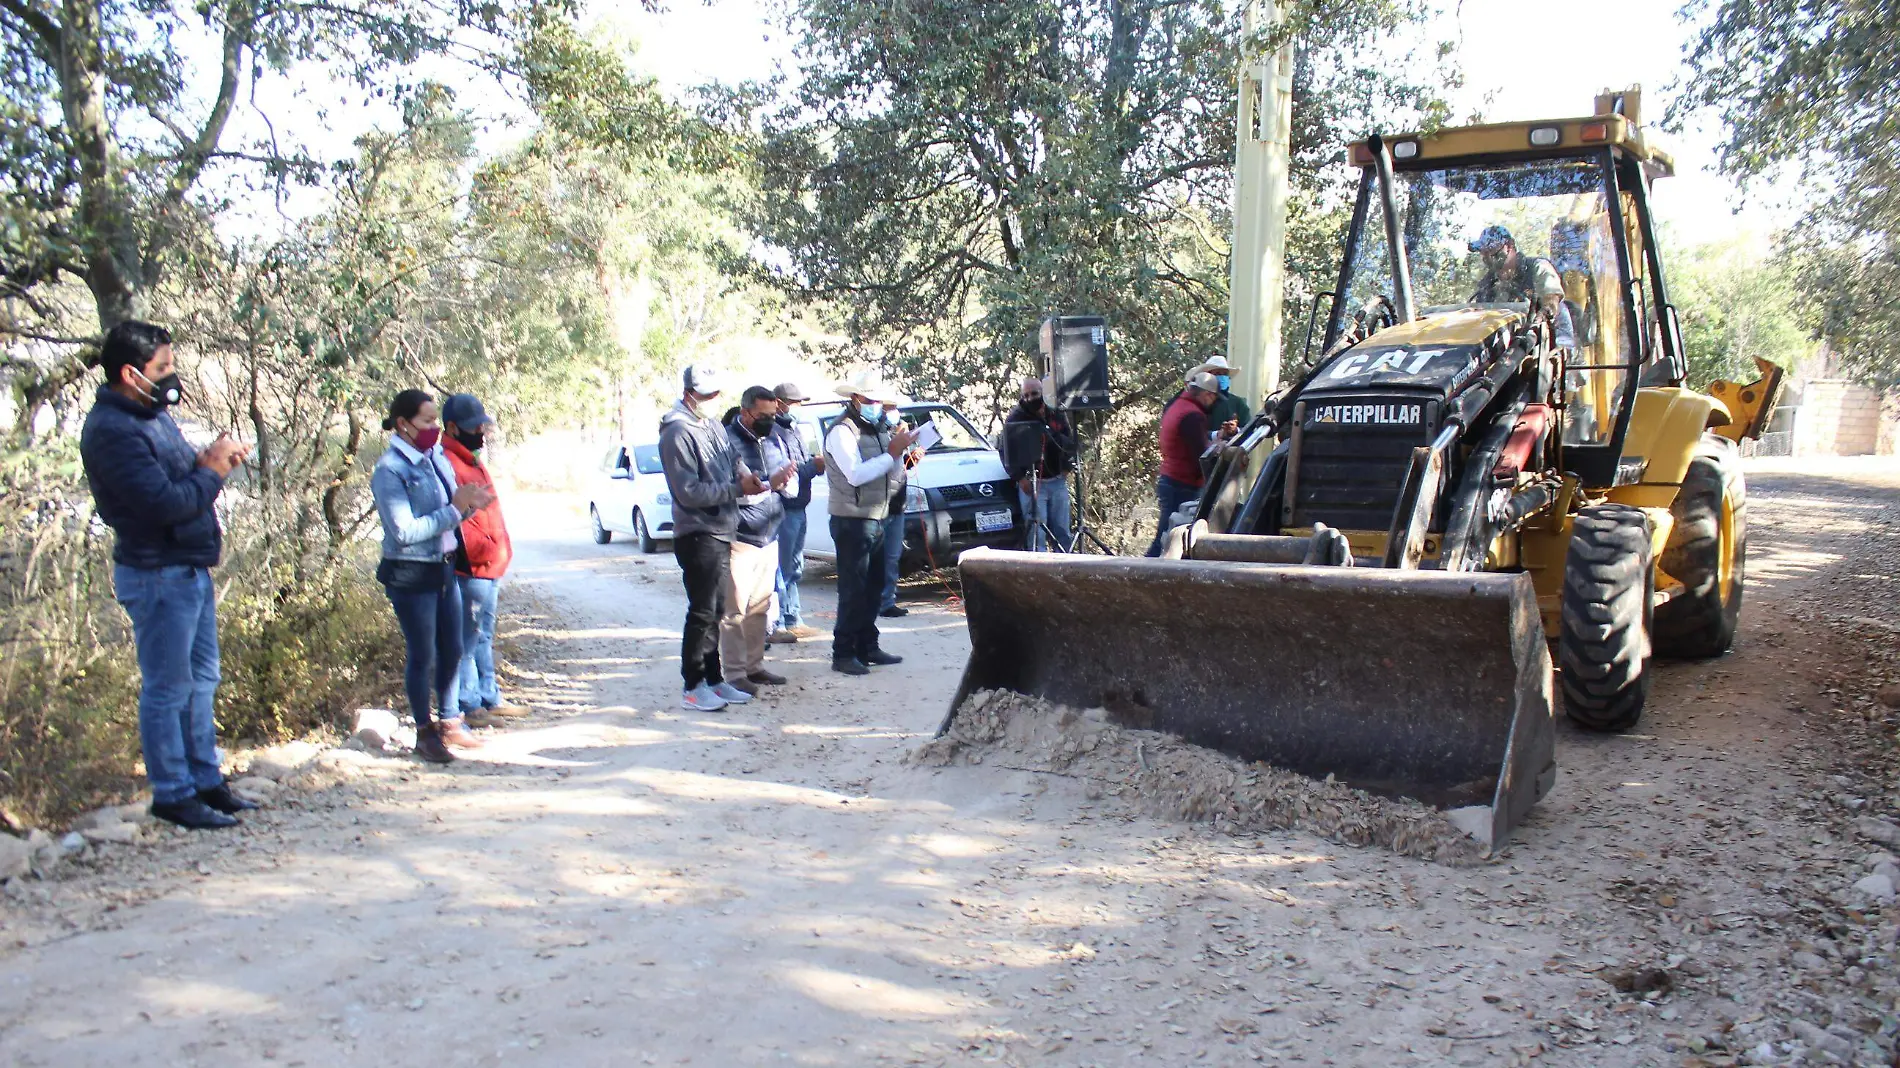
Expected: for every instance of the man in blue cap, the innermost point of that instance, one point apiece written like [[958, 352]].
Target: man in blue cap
[[484, 559], [1512, 276]]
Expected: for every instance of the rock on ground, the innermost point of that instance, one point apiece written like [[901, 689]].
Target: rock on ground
[[280, 762], [16, 857]]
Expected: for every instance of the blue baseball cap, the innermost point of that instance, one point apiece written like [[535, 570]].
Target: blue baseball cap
[[464, 411], [1492, 237]]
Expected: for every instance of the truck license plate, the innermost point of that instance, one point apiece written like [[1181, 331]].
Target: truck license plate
[[993, 520]]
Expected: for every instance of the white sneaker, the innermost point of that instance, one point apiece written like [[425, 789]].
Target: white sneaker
[[732, 694], [702, 698]]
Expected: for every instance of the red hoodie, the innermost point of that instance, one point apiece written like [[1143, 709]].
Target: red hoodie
[[1183, 439], [484, 534]]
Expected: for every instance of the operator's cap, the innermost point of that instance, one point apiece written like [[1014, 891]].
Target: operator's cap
[[701, 379], [1204, 380], [789, 393], [1492, 237], [464, 411], [1216, 365]]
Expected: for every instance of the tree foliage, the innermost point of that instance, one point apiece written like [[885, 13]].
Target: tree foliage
[[1737, 302], [1816, 87]]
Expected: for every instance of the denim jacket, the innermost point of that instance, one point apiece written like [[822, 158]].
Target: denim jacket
[[413, 503]]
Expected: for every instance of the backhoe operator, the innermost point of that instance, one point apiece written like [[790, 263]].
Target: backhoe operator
[[1509, 275]]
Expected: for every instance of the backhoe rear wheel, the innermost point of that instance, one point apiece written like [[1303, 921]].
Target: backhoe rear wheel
[[1707, 552], [1604, 645]]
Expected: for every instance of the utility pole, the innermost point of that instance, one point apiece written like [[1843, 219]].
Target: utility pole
[[1257, 285]]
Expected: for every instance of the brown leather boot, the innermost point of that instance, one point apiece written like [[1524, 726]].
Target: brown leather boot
[[456, 735], [429, 746]]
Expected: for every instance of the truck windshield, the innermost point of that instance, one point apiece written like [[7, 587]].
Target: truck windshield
[[1534, 234], [957, 433]]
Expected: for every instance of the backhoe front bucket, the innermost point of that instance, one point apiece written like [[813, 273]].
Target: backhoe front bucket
[[1421, 684]]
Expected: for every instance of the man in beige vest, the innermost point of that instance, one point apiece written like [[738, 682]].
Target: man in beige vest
[[863, 470]]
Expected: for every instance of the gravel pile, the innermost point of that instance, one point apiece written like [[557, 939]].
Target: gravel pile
[[1163, 776]]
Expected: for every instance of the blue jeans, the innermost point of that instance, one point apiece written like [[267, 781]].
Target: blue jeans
[[893, 557], [791, 566], [1053, 497], [477, 686], [1170, 495], [860, 547], [174, 613], [432, 636]]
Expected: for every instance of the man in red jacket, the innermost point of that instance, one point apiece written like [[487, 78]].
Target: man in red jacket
[[486, 553], [1185, 435]]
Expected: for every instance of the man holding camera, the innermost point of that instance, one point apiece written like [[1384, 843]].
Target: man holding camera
[[159, 496], [1043, 486]]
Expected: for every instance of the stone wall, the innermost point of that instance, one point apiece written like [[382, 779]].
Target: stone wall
[[1842, 418]]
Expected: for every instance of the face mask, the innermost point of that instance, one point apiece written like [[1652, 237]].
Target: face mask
[[471, 442], [167, 391], [426, 437], [1224, 381], [762, 426], [870, 413], [1033, 403], [784, 420]]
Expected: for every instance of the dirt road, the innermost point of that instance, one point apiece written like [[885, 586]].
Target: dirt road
[[619, 882]]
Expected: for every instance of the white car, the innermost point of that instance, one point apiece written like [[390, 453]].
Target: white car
[[959, 494], [629, 497]]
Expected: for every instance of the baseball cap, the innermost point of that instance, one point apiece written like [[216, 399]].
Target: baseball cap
[[789, 393], [701, 379], [464, 411], [1204, 380], [1492, 237]]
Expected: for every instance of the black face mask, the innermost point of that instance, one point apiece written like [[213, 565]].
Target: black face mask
[[1034, 404], [761, 426], [471, 442], [166, 391]]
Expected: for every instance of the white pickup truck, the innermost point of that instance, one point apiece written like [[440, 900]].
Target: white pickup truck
[[959, 495]]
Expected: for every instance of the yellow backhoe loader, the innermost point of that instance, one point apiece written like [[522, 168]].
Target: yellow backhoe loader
[[1491, 462]]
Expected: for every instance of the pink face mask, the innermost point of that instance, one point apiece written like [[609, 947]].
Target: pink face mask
[[426, 437]]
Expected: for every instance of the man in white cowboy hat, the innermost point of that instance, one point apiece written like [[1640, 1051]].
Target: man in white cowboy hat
[[1230, 411], [863, 469]]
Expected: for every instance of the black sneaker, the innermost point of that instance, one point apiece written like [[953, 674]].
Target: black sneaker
[[894, 611], [879, 658], [193, 814], [850, 665], [221, 798]]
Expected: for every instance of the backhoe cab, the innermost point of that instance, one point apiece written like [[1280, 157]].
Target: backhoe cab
[[1490, 434]]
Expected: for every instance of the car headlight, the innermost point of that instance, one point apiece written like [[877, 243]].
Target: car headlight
[[662, 498], [915, 500]]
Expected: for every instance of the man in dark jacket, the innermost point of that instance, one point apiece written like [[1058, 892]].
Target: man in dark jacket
[[158, 495], [757, 448], [1046, 504], [706, 484], [791, 531], [1228, 406]]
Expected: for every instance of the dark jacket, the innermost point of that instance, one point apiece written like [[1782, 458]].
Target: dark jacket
[[794, 446], [148, 485], [1058, 445], [696, 456], [759, 518], [1228, 406]]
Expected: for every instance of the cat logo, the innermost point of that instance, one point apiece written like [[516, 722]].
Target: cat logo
[[1375, 414]]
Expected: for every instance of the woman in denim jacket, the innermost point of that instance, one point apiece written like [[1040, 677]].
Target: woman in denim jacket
[[422, 512]]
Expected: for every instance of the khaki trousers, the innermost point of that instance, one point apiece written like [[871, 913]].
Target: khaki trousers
[[748, 596]]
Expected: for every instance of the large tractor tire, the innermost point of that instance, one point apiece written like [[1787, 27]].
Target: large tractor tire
[[1707, 553], [1604, 646]]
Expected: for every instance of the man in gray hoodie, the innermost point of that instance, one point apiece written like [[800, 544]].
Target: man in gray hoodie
[[706, 485]]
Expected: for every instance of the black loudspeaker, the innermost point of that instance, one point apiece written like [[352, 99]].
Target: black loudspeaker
[[1076, 350]]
